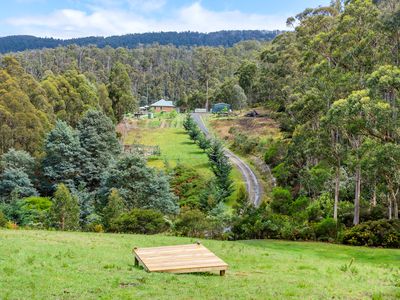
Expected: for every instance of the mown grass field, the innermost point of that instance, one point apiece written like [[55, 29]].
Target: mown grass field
[[72, 265], [176, 147]]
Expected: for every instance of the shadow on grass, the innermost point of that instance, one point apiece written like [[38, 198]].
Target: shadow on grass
[[328, 251], [141, 268], [195, 152]]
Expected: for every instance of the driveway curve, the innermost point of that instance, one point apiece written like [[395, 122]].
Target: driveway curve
[[253, 185]]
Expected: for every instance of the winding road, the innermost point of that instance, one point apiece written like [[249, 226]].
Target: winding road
[[253, 185]]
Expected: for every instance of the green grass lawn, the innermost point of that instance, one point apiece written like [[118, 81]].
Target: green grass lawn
[[175, 146], [69, 265]]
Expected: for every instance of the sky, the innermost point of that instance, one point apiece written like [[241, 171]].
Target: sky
[[79, 18]]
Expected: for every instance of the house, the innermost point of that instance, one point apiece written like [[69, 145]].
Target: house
[[163, 105]]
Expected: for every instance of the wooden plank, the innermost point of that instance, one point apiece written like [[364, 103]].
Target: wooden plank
[[179, 259]]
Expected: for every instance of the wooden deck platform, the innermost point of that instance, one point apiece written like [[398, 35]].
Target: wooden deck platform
[[179, 259]]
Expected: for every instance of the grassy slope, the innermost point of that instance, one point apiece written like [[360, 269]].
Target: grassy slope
[[66, 265], [175, 146]]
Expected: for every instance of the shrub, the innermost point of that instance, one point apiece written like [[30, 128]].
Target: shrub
[[244, 143], [93, 223], [281, 173], [98, 228], [191, 222], [11, 225], [281, 200], [3, 220], [299, 205], [326, 230], [292, 231], [142, 221], [275, 152], [381, 233], [321, 208], [34, 211], [188, 185], [258, 223]]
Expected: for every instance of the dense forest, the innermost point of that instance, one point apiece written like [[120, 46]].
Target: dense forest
[[226, 38], [332, 83]]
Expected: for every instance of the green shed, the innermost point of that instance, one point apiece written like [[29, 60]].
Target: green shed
[[220, 108]]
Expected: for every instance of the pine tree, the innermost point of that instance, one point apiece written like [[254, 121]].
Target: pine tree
[[18, 159], [62, 156], [99, 145], [65, 209], [139, 185], [114, 208], [203, 142], [242, 201], [15, 181], [221, 167]]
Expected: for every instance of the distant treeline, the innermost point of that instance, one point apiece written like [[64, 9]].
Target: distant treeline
[[220, 38]]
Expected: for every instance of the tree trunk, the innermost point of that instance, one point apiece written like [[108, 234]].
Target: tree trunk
[[373, 200], [390, 208], [207, 95], [356, 219], [62, 222], [337, 189], [395, 209]]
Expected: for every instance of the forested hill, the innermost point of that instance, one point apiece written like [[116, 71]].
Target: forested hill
[[219, 38]]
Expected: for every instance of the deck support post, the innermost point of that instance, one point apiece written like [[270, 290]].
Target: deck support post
[[222, 272], [136, 262]]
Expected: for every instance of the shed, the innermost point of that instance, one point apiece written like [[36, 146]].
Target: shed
[[163, 105], [220, 108], [179, 259]]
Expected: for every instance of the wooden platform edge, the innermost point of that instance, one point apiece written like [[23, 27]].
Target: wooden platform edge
[[221, 269]]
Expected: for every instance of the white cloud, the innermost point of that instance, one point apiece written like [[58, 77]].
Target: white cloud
[[107, 20]]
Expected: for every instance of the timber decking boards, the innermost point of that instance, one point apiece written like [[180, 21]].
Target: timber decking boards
[[179, 259]]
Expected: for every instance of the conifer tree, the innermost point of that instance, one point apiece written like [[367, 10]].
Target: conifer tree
[[99, 145], [65, 209], [114, 208], [221, 167], [62, 149]]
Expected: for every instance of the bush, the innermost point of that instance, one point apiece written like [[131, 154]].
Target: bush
[[299, 205], [321, 208], [192, 222], [188, 185], [281, 173], [3, 220], [11, 225], [34, 211], [244, 143], [142, 221], [326, 230], [382, 233], [281, 200]]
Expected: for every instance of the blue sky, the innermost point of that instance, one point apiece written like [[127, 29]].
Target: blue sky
[[77, 18]]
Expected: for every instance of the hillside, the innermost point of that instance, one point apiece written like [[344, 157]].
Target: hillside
[[219, 38], [71, 265]]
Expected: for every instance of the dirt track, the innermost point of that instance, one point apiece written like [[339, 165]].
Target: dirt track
[[253, 185]]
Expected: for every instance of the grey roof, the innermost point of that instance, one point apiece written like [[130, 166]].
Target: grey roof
[[163, 103]]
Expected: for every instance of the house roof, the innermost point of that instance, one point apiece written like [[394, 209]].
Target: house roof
[[163, 103]]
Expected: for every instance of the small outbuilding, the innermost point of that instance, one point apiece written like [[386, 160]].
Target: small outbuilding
[[163, 105], [221, 108]]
